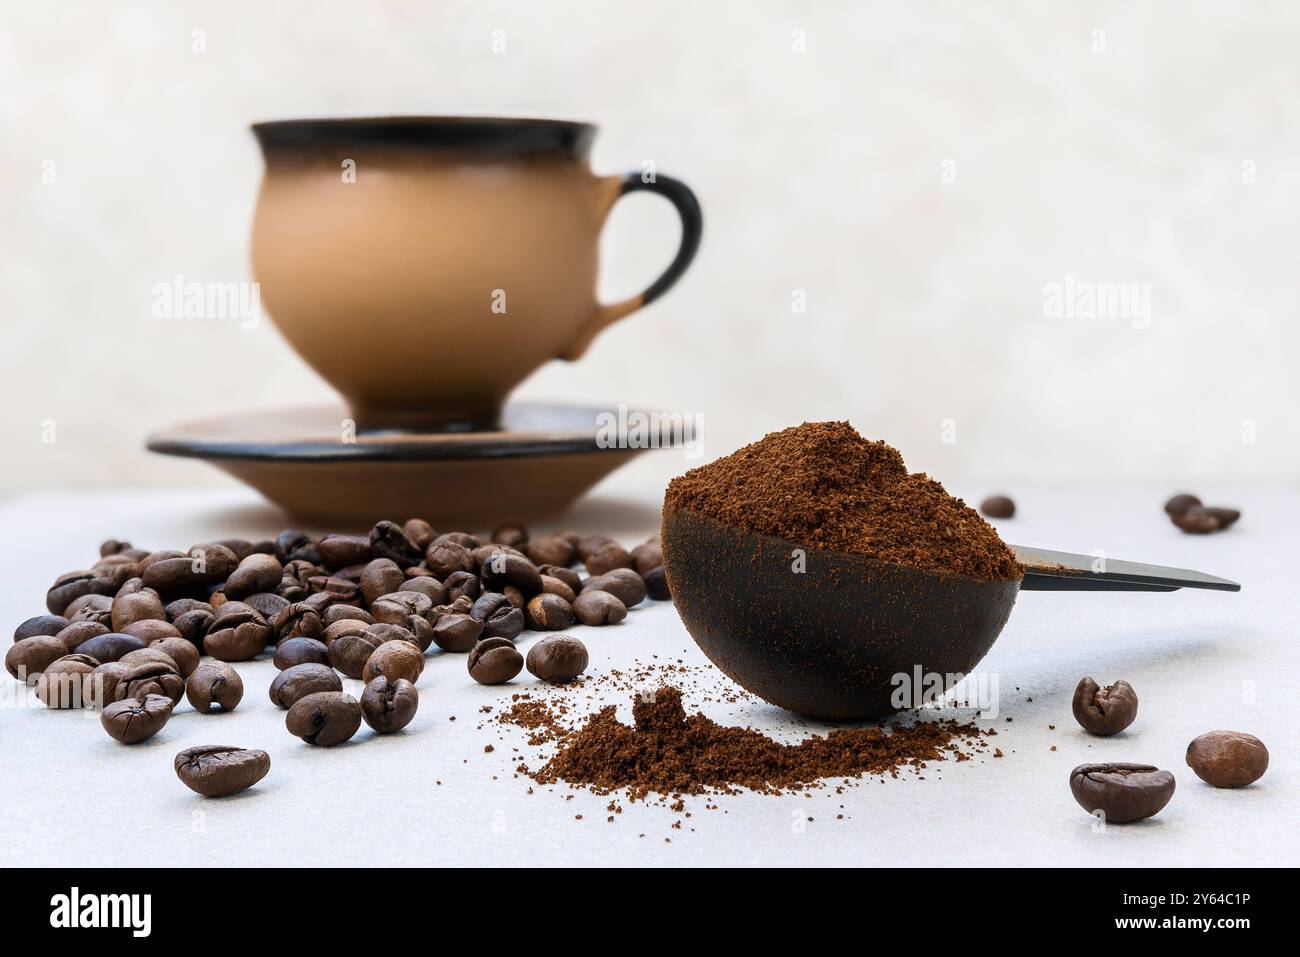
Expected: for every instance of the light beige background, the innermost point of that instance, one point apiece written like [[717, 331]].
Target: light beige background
[[919, 171]]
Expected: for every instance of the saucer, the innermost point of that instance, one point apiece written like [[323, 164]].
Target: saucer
[[306, 461]]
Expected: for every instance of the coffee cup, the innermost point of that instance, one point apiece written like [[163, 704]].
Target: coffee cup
[[424, 266]]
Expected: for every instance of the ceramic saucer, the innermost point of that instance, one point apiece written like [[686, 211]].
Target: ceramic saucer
[[308, 462]]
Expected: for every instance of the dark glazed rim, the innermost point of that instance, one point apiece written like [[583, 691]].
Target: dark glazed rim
[[865, 560], [473, 135]]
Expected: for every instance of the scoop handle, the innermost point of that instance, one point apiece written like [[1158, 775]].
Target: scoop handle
[[1047, 570]]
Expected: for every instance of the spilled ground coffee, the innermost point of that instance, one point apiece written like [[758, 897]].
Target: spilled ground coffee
[[668, 752], [822, 485]]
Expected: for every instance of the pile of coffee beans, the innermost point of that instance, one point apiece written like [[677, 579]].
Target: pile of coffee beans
[[129, 634], [1120, 792], [1187, 512]]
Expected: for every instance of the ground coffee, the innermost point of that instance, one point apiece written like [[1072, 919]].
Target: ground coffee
[[823, 485], [668, 752]]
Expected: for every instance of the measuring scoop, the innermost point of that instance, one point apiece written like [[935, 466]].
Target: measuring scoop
[[828, 634]]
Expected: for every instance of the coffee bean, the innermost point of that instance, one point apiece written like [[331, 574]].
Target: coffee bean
[[547, 612], [112, 546], [420, 532], [63, 683], [110, 647], [514, 534], [566, 575], [1121, 792], [1224, 516], [351, 648], [144, 656], [387, 540], [623, 583], [446, 558], [96, 608], [588, 545], [238, 632], [26, 659], [647, 556], [458, 538], [998, 506], [1180, 503], [335, 588], [118, 569], [240, 547], [292, 545], [150, 679], [399, 607], [73, 585], [554, 586], [503, 569], [270, 604], [184, 654], [1104, 711], [214, 683], [100, 687], [608, 558], [131, 720], [596, 607], [551, 550], [557, 659], [41, 625], [217, 770], [1196, 521], [494, 661], [381, 577], [80, 631], [656, 584], [1227, 759], [340, 551], [325, 718], [151, 630], [500, 618], [256, 573], [140, 606], [194, 625], [302, 619], [300, 651], [389, 706], [430, 588], [340, 612], [454, 629], [462, 585], [298, 681], [393, 660]]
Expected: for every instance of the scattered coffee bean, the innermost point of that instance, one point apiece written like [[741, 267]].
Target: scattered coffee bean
[[151, 630], [380, 577], [300, 651], [270, 605], [73, 585], [238, 631], [514, 534], [647, 555], [139, 606], [101, 684], [566, 575], [557, 659], [494, 661], [352, 647], [295, 683], [256, 573], [394, 660], [1196, 521], [656, 584], [607, 558], [623, 583], [217, 770], [1224, 516], [131, 720], [180, 651], [1227, 759], [150, 678], [463, 585], [1104, 711], [551, 550], [340, 612], [387, 540], [430, 588], [27, 658], [214, 683], [40, 625], [588, 545], [548, 612], [420, 532], [292, 545], [96, 608], [80, 631], [324, 718], [1121, 792], [504, 568], [998, 506], [554, 586], [463, 539], [389, 706], [110, 647], [63, 683], [596, 607], [454, 628], [1181, 503], [340, 551]]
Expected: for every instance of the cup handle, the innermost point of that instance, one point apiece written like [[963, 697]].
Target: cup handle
[[688, 208]]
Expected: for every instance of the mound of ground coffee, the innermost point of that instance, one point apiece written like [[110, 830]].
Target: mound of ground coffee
[[667, 752], [822, 485]]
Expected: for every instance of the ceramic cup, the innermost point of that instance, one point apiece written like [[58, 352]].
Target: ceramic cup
[[425, 266]]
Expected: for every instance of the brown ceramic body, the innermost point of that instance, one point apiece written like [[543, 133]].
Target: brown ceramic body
[[391, 285], [827, 642]]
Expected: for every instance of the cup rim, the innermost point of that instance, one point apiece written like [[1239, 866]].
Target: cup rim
[[502, 137]]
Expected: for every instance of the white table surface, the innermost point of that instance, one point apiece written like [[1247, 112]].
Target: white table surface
[[1199, 661]]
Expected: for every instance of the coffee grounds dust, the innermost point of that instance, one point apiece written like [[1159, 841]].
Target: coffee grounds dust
[[822, 485], [667, 752]]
